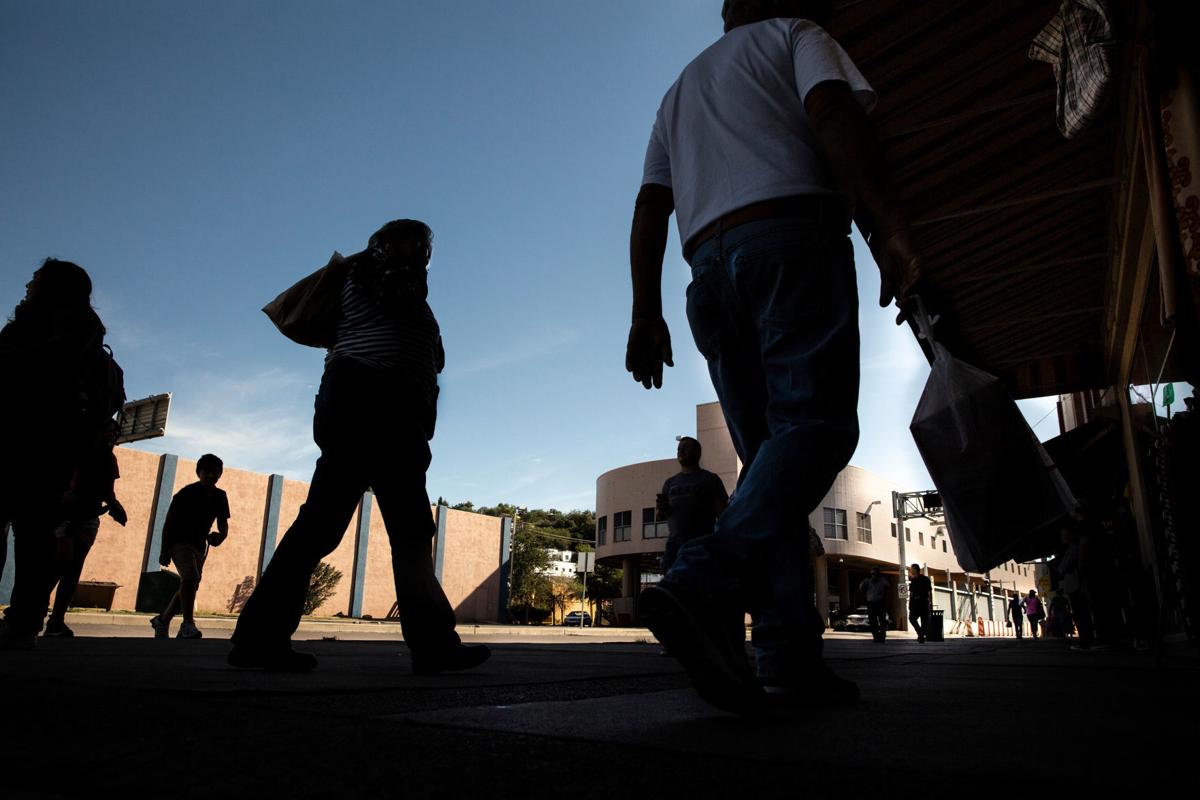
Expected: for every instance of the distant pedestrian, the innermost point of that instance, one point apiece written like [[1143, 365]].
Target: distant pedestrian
[[90, 497], [186, 537], [875, 588], [1016, 616], [1033, 610], [690, 502], [920, 600]]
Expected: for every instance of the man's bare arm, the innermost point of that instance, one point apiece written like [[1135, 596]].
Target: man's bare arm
[[852, 152], [649, 346]]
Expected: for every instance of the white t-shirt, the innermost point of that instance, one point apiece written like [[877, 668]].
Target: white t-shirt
[[732, 130]]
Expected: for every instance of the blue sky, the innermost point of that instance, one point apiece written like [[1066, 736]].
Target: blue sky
[[198, 158]]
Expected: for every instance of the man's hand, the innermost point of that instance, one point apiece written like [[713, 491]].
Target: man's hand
[[164, 559], [899, 271], [648, 349]]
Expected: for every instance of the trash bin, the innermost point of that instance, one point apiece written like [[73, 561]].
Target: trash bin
[[155, 590], [936, 620]]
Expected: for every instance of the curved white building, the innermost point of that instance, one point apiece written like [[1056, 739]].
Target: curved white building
[[854, 521]]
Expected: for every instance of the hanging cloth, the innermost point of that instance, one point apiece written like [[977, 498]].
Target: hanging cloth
[[1078, 43]]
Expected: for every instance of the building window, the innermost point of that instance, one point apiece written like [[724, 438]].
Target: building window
[[652, 528], [921, 538], [943, 545], [864, 527], [622, 522], [835, 524], [893, 530], [602, 531], [907, 534]]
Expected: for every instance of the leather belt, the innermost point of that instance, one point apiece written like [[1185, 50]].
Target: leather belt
[[815, 207]]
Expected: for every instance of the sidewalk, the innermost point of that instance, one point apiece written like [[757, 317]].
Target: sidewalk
[[102, 715]]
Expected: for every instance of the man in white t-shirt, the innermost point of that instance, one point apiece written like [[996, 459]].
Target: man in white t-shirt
[[763, 151]]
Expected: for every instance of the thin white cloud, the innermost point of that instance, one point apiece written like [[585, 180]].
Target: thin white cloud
[[516, 354]]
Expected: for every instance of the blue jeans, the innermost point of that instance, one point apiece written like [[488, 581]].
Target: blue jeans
[[773, 308]]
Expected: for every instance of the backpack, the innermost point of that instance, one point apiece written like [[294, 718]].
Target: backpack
[[103, 388]]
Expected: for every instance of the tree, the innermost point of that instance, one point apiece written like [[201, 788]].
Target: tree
[[321, 587], [563, 591], [529, 587]]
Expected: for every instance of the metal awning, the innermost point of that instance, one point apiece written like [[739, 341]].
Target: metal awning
[[1016, 223]]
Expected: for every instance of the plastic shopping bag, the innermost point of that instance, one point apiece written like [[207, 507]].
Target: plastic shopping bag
[[997, 483]]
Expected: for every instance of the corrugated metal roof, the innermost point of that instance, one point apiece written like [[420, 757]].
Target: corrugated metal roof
[[1013, 219]]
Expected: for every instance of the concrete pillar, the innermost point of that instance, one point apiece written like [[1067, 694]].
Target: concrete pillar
[[844, 597], [270, 521], [8, 574], [821, 582], [361, 534], [439, 542], [163, 492], [631, 577], [506, 532], [953, 598]]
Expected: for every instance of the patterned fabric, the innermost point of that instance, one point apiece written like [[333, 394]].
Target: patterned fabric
[[390, 340], [1181, 140], [1078, 43]]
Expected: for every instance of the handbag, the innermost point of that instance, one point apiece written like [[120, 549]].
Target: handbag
[[308, 311]]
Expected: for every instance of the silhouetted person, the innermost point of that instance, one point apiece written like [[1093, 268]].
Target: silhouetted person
[[1033, 610], [875, 587], [920, 600], [375, 415], [1016, 615], [50, 352], [690, 502], [90, 497], [187, 534], [761, 149]]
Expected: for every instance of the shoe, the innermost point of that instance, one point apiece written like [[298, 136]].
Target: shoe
[[460, 657], [693, 633], [162, 630], [277, 659], [56, 628], [820, 686], [188, 630]]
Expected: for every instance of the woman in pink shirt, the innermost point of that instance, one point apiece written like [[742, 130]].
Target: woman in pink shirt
[[1033, 610]]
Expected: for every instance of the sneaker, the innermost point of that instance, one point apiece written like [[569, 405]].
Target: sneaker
[[275, 659], [188, 630], [460, 657], [692, 631], [57, 628], [820, 686], [162, 630]]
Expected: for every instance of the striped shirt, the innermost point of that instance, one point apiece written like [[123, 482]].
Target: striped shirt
[[410, 342]]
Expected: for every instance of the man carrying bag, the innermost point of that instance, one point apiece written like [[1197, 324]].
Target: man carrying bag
[[385, 353]]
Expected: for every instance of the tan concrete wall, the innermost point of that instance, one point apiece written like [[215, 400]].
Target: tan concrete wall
[[470, 574], [471, 565], [632, 489], [718, 454], [118, 552]]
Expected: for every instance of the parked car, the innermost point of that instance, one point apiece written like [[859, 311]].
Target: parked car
[[856, 620], [573, 618]]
